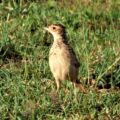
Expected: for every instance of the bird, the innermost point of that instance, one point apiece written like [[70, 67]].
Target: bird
[[63, 62]]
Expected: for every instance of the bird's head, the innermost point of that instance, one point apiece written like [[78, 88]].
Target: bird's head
[[57, 30]]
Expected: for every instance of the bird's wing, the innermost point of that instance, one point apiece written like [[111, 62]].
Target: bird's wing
[[73, 56]]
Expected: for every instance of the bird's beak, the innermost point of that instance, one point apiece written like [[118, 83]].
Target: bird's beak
[[45, 28]]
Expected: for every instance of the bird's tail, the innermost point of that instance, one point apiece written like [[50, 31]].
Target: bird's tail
[[80, 87]]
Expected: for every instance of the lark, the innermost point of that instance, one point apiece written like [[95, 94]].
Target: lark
[[62, 59]]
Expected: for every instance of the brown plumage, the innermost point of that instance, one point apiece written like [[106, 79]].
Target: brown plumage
[[62, 59]]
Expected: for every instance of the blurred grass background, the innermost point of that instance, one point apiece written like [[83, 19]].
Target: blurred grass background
[[93, 29]]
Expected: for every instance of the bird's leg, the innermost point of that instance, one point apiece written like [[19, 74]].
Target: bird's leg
[[75, 83], [57, 84], [75, 90]]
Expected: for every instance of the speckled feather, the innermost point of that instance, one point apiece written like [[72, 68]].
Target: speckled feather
[[62, 59]]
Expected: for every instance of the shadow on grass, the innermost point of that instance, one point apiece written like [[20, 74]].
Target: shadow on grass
[[8, 52], [108, 80]]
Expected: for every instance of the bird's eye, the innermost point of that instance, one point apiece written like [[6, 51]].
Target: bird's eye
[[54, 28]]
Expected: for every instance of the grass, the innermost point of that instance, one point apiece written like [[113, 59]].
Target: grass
[[26, 83]]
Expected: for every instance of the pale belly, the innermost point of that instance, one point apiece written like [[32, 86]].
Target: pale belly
[[60, 67]]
